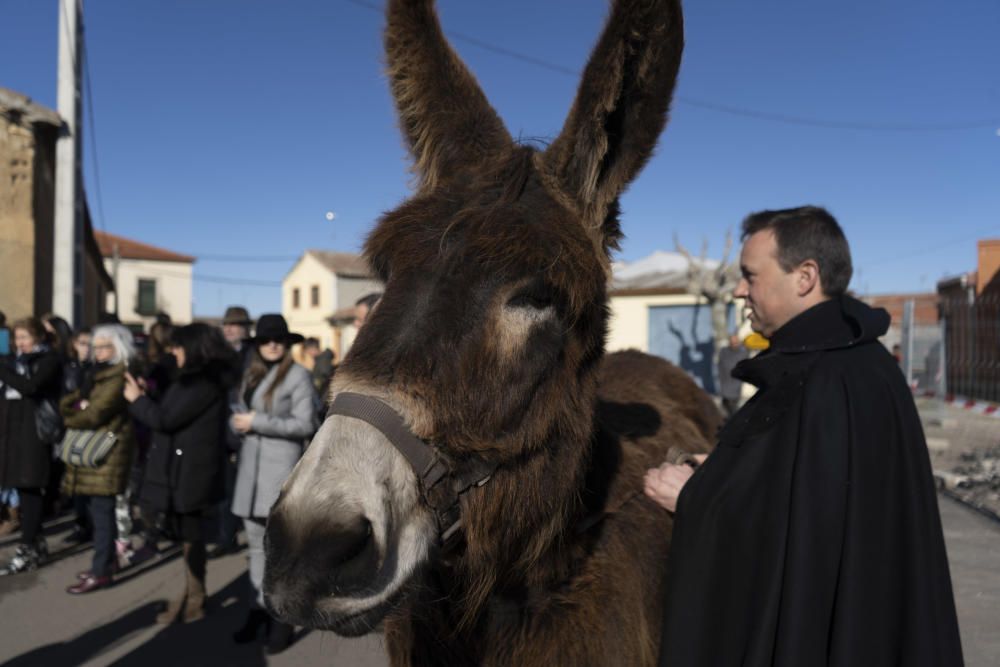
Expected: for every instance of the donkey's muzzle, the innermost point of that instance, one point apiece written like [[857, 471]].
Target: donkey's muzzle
[[310, 563]]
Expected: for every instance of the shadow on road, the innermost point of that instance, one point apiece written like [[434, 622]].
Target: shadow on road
[[206, 642]]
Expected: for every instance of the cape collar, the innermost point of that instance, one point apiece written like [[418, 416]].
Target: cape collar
[[837, 323], [833, 324]]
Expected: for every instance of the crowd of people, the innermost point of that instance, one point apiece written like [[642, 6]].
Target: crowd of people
[[185, 438]]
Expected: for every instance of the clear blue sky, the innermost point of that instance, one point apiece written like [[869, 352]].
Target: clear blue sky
[[231, 127]]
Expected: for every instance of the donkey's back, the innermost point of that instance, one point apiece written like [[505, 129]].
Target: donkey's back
[[646, 406]]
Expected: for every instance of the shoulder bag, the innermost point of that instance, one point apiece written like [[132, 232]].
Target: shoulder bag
[[85, 448]]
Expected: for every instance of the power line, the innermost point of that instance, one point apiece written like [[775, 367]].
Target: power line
[[236, 281], [934, 248], [721, 108], [225, 280], [247, 258], [837, 124]]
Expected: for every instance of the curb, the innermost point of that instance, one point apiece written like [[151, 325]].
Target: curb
[[988, 513], [985, 408], [947, 482]]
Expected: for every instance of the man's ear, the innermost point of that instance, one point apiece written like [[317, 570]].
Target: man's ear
[[807, 279]]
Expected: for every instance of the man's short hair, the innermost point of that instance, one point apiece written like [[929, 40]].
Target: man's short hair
[[369, 300], [807, 232], [310, 342]]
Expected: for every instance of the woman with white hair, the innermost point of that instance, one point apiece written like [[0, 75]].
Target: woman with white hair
[[98, 405]]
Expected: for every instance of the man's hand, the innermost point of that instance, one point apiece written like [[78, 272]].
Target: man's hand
[[664, 484], [242, 421]]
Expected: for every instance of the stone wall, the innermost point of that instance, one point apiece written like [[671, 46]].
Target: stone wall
[[17, 228]]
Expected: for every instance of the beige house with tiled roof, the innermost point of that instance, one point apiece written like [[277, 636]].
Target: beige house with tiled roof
[[320, 284], [150, 280]]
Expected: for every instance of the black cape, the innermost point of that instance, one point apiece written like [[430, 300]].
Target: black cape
[[811, 535]]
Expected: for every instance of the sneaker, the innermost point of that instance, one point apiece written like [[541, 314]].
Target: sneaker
[[25, 558]]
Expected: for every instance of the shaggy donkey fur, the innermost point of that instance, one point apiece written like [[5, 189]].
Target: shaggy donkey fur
[[489, 341]]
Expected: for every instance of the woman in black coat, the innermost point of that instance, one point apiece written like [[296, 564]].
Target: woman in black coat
[[185, 461], [33, 376]]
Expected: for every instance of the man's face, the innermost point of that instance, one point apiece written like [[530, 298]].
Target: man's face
[[360, 315], [235, 334], [771, 294]]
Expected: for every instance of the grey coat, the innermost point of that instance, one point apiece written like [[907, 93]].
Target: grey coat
[[275, 442]]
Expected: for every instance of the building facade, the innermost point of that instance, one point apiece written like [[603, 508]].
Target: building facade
[[319, 290], [28, 133], [150, 280], [652, 311]]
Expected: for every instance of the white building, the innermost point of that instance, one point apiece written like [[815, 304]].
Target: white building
[[318, 293], [651, 311], [148, 280]]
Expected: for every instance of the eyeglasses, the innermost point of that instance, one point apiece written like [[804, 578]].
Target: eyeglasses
[[104, 346]]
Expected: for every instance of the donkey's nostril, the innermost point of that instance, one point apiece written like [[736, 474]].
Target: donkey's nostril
[[354, 561], [352, 542]]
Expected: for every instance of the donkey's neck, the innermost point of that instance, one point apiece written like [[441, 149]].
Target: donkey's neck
[[522, 538]]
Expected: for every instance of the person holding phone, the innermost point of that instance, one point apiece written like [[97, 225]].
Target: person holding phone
[[183, 479]]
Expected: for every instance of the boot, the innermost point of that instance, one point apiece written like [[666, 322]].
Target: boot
[[12, 523], [173, 610], [279, 637], [256, 618], [188, 607], [194, 571]]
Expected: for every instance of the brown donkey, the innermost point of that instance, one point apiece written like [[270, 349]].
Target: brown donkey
[[478, 390]]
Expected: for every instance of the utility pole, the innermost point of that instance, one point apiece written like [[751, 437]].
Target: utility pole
[[67, 246]]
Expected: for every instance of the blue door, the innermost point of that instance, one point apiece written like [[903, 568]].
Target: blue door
[[683, 335]]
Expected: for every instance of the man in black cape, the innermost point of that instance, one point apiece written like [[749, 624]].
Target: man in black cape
[[811, 535]]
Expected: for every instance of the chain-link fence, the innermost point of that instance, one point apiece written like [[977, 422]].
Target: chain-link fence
[[971, 328]]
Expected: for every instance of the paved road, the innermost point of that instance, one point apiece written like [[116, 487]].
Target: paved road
[[42, 626]]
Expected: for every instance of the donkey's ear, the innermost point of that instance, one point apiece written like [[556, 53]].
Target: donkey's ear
[[449, 126], [621, 106]]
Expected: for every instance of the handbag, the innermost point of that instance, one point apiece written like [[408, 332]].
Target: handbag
[[86, 449], [48, 423]]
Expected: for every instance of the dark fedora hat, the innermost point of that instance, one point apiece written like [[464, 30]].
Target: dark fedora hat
[[237, 315], [274, 327]]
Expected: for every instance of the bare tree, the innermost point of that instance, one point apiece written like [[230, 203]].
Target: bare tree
[[713, 284]]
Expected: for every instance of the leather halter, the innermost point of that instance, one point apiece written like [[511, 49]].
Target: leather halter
[[441, 484]]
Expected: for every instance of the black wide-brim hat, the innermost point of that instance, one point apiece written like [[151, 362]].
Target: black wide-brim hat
[[274, 327]]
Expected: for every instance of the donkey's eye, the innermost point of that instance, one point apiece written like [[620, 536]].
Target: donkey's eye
[[531, 298]]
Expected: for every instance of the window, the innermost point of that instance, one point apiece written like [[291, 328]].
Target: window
[[295, 297], [314, 296], [146, 297]]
